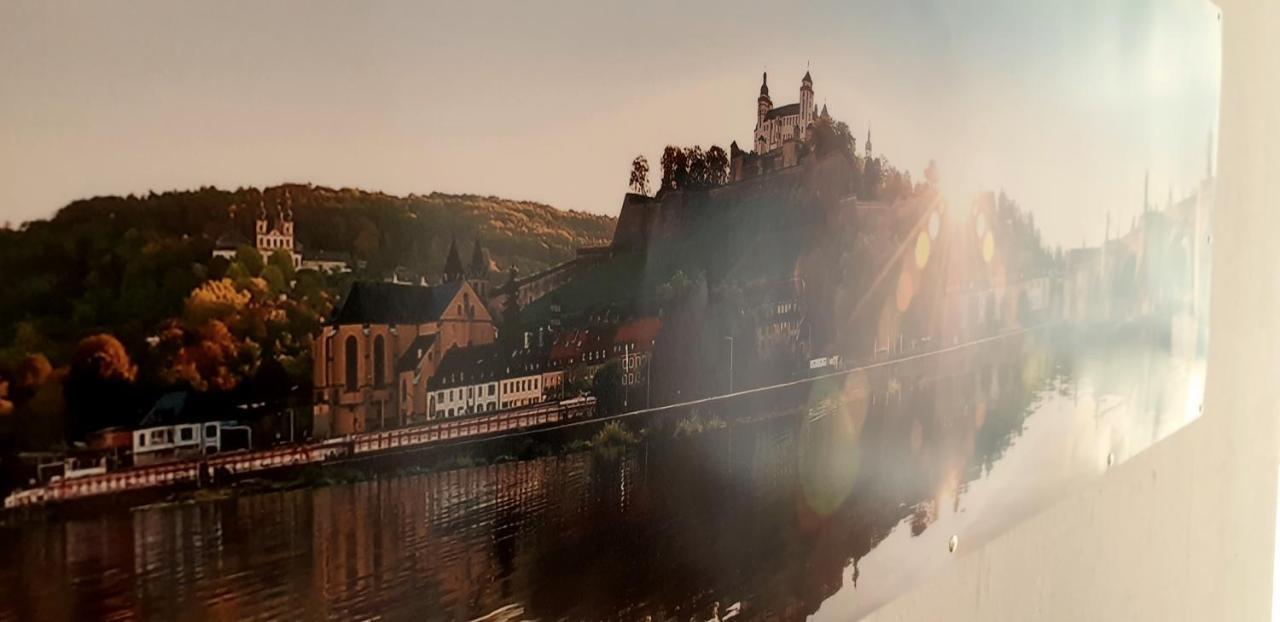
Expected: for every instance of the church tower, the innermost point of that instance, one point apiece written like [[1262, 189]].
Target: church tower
[[286, 221], [260, 224], [806, 101], [453, 263], [478, 270]]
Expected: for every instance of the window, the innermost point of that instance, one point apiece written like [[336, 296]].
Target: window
[[142, 439], [379, 361], [186, 434], [491, 389], [350, 360], [211, 431]]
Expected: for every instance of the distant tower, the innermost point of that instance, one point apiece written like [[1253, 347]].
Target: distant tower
[[286, 221], [453, 263], [1208, 157], [806, 100], [868, 141], [478, 270], [1146, 186], [260, 223]]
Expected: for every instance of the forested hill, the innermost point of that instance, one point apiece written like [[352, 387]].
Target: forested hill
[[120, 264]]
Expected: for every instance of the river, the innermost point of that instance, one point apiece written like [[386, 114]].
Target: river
[[823, 507]]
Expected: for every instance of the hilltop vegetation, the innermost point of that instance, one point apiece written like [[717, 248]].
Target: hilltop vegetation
[[120, 296]]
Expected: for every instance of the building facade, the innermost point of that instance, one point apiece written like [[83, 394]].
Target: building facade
[[792, 122], [373, 358]]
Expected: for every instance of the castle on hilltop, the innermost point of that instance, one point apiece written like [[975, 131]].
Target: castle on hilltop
[[780, 132], [792, 122]]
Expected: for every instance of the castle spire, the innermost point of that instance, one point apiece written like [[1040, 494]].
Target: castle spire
[[868, 140], [764, 84]]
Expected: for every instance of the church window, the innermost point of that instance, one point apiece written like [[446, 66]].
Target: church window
[[350, 360], [379, 362]]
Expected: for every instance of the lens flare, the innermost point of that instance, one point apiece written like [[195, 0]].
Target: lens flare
[[906, 289], [923, 248]]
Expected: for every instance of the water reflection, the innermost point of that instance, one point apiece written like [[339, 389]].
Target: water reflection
[[825, 502]]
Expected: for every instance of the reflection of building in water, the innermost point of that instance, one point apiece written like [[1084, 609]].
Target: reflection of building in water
[[1157, 269]]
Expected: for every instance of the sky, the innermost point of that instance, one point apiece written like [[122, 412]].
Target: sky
[[1065, 105]]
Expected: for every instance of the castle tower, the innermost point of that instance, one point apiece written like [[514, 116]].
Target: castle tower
[[763, 105], [868, 141], [806, 101]]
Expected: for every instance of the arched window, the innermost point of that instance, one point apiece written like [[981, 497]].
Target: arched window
[[379, 361], [351, 360]]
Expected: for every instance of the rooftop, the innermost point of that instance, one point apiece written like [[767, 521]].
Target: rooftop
[[393, 303]]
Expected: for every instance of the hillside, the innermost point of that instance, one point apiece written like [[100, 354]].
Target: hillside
[[123, 264]]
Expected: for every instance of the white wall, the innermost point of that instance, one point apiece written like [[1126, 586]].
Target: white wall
[[1185, 530]]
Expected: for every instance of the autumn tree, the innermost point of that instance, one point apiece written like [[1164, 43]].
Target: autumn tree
[[41, 421], [31, 372], [99, 385], [640, 175]]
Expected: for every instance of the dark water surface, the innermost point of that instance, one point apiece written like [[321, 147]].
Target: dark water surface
[[824, 509]]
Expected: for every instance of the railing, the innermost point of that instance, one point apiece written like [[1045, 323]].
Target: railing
[[370, 443]]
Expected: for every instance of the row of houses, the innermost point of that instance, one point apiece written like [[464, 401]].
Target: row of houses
[[398, 354]]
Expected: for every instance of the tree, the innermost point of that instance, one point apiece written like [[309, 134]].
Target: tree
[[275, 279], [681, 175], [640, 175], [30, 373], [250, 259], [717, 166], [931, 174], [607, 388], [697, 160], [283, 261], [99, 385], [102, 356], [669, 156], [41, 422]]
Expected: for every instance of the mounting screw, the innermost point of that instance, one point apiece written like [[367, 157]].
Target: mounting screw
[[953, 544]]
